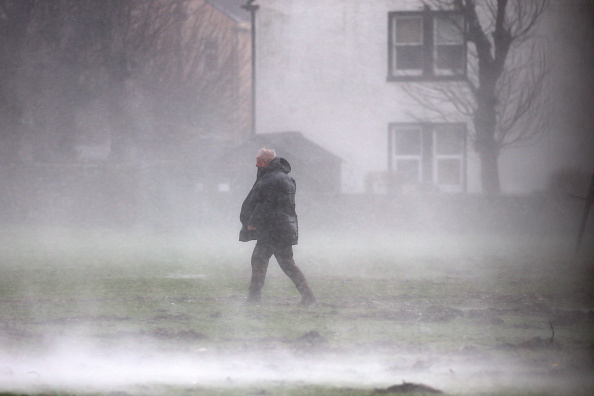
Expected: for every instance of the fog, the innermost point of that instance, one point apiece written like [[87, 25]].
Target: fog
[[127, 150], [121, 311], [73, 366]]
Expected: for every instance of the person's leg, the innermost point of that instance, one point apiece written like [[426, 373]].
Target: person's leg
[[260, 258], [284, 256]]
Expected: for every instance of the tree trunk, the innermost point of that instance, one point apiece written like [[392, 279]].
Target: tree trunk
[[485, 121], [490, 170]]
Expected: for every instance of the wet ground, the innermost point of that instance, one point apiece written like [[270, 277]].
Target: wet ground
[[119, 321]]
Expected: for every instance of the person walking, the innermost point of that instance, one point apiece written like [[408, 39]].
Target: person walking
[[268, 216]]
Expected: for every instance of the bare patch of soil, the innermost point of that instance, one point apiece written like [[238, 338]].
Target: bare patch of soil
[[407, 387], [309, 340]]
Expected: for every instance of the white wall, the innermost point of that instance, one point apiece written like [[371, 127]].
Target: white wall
[[321, 70]]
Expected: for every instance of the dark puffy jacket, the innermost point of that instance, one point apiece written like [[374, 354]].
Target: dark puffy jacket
[[270, 206]]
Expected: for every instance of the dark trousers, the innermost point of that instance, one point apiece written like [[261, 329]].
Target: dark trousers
[[284, 255]]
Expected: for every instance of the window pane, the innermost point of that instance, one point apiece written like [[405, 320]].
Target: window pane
[[448, 171], [409, 30], [449, 141], [448, 29], [409, 57], [449, 57], [408, 169], [408, 142]]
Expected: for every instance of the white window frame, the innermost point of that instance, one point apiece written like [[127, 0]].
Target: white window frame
[[429, 156], [429, 70], [395, 44], [460, 157], [418, 157], [447, 71]]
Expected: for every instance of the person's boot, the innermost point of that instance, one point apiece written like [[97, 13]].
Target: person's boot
[[253, 298], [255, 289], [307, 298]]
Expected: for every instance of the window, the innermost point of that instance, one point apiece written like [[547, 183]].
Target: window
[[408, 39], [407, 149], [428, 154], [449, 154], [449, 49], [426, 45]]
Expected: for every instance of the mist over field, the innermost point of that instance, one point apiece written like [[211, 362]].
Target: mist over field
[[145, 312], [128, 144]]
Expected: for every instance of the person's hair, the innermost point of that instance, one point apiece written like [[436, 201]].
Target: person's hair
[[266, 154]]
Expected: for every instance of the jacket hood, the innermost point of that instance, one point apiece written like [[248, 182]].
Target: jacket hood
[[278, 163]]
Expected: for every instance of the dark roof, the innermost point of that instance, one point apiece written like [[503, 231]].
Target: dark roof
[[293, 144], [232, 8], [315, 168]]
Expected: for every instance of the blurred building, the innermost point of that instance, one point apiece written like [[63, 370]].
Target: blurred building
[[185, 77], [316, 170], [341, 72], [131, 136]]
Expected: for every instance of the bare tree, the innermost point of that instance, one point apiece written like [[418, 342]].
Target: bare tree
[[14, 19], [76, 52], [507, 69], [176, 54], [193, 72]]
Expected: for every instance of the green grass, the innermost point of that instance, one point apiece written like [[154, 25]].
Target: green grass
[[185, 293]]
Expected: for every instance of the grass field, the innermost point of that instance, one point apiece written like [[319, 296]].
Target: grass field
[[110, 312]]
